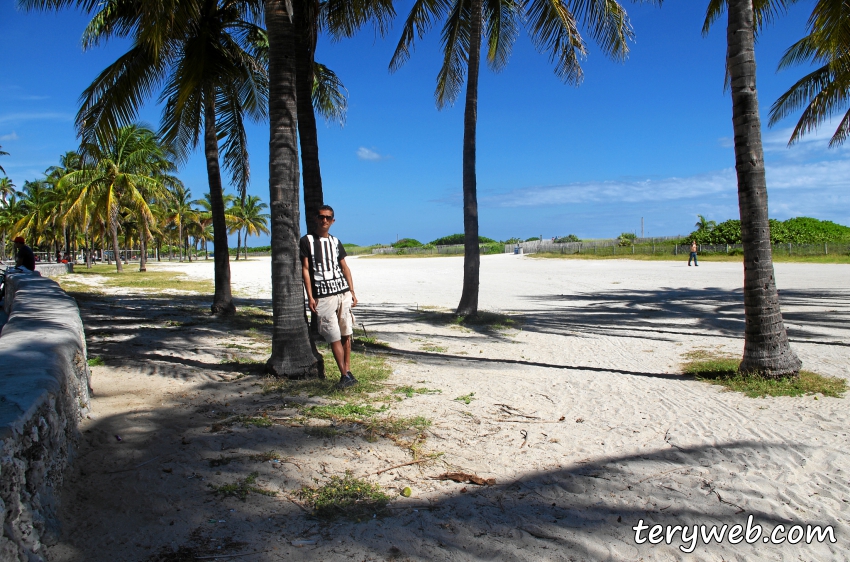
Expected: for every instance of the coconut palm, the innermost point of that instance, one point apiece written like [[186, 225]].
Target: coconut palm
[[206, 216], [249, 217], [767, 351], [118, 172], [200, 51], [293, 352], [553, 27], [3, 153], [180, 213], [10, 213], [825, 91], [7, 188], [704, 225]]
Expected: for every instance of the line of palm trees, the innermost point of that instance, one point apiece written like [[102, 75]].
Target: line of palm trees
[[121, 196], [215, 63]]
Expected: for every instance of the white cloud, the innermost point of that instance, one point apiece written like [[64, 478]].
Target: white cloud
[[364, 153], [10, 137], [825, 178], [14, 117]]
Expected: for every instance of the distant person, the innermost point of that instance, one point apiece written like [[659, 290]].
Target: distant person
[[330, 291], [693, 255], [23, 255]]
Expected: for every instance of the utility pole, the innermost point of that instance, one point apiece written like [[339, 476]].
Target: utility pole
[[641, 227]]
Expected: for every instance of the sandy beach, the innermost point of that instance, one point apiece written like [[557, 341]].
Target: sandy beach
[[577, 408]]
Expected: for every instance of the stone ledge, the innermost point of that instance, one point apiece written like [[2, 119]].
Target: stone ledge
[[54, 269], [45, 392]]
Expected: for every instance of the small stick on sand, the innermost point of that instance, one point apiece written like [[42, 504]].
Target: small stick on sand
[[405, 464]]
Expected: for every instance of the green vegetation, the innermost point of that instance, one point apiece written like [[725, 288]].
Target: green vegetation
[[410, 391], [466, 398], [455, 239], [343, 413], [345, 496], [561, 240], [433, 348], [723, 370], [96, 361], [408, 243], [800, 230], [240, 489]]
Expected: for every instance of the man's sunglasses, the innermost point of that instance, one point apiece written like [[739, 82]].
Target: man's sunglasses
[[325, 217]]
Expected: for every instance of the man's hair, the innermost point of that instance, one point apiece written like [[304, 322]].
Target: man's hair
[[326, 208]]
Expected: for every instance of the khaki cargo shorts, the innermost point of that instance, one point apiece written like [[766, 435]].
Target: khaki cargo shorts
[[335, 317]]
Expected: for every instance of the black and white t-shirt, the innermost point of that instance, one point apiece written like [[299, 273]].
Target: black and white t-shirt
[[324, 255]]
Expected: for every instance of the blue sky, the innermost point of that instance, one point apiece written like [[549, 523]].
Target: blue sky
[[650, 137]]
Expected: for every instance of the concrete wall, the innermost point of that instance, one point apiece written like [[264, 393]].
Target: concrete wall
[[44, 392], [54, 269]]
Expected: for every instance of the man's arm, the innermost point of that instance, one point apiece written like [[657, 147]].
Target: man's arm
[[347, 274], [305, 276]]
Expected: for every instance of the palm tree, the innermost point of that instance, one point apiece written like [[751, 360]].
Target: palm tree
[[3, 153], [293, 352], [206, 216], [179, 212], [7, 188], [10, 213], [767, 352], [119, 172], [553, 27], [249, 216], [704, 225], [201, 52], [824, 92]]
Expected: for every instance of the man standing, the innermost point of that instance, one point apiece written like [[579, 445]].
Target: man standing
[[330, 291], [693, 255], [23, 255]]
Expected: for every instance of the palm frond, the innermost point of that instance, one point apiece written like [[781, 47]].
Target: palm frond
[[330, 98]]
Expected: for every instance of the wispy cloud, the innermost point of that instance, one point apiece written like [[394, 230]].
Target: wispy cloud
[[33, 98], [824, 177], [10, 137], [364, 153], [17, 117]]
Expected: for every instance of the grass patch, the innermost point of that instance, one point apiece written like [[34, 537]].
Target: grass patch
[[96, 361], [345, 497], [410, 391], [240, 489], [321, 431], [104, 276], [433, 348], [723, 370], [370, 370], [466, 398], [343, 413]]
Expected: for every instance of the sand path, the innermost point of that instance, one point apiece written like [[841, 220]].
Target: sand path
[[595, 343]]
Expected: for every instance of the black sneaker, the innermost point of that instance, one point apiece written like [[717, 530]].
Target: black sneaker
[[349, 375], [346, 381]]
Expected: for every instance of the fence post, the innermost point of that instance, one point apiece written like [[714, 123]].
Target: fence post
[[825, 249], [789, 248], [633, 249], [676, 250]]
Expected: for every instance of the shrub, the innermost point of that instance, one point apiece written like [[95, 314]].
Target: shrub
[[407, 243], [800, 230], [456, 239], [626, 239], [532, 239], [568, 238], [512, 241]]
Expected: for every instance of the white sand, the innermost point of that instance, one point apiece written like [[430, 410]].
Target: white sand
[[600, 344]]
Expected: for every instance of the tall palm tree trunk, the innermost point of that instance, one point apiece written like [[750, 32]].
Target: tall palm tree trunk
[[471, 253], [305, 50], [293, 352], [238, 242], [222, 299], [180, 248], [766, 348], [113, 231]]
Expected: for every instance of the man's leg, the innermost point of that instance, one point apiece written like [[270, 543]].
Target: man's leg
[[341, 354], [346, 348]]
